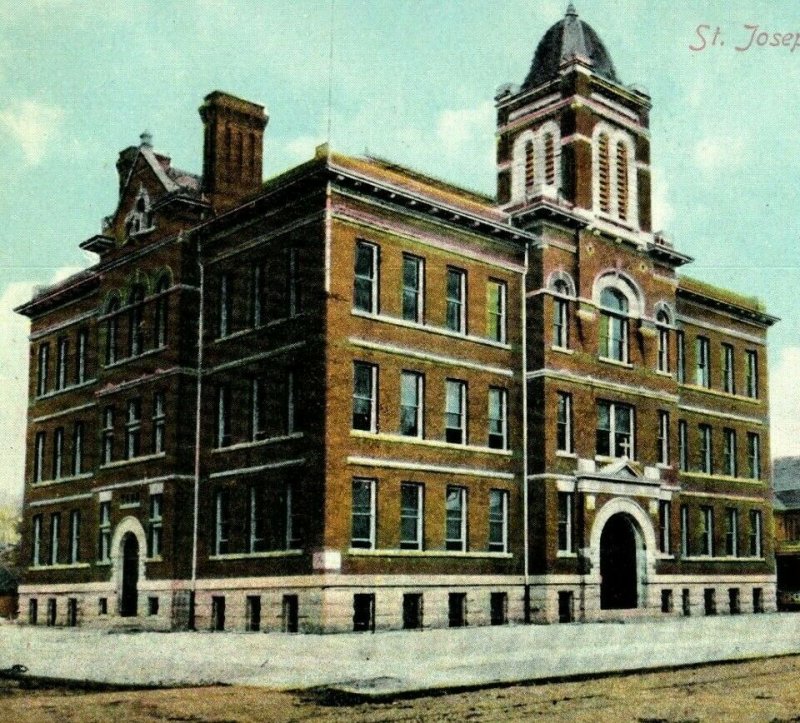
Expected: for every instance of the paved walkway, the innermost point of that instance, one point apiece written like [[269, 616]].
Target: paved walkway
[[394, 662]]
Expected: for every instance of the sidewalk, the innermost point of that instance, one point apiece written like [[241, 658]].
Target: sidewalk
[[394, 662]]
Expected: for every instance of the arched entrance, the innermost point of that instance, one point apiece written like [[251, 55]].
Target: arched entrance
[[619, 564], [130, 575]]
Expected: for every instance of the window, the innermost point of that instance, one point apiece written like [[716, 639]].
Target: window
[[498, 521], [224, 306], [530, 167], [363, 533], [80, 356], [159, 422], [61, 363], [162, 310], [561, 315], [728, 376], [411, 404], [223, 426], [731, 532], [456, 519], [36, 546], [135, 330], [754, 455], [289, 406], [253, 613], [58, 453], [365, 285], [107, 449], [74, 536], [622, 181], [684, 531], [604, 172], [729, 458], [706, 461], [663, 437], [456, 300], [455, 412], [549, 160], [55, 534], [222, 522], [413, 288], [566, 504], [258, 294], [702, 371], [112, 332], [38, 456], [364, 611], [752, 374], [411, 517], [293, 286], [615, 430], [680, 366], [457, 609], [613, 325], [77, 448], [683, 446], [498, 418], [365, 383], [756, 520], [294, 540], [662, 321], [104, 528], [258, 409], [664, 536], [496, 300], [707, 531], [41, 372], [154, 522], [133, 429], [498, 608], [564, 423], [258, 542]]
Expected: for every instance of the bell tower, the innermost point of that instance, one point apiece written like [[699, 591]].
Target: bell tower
[[573, 137]]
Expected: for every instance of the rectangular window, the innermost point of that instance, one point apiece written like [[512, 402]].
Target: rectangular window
[[498, 521], [223, 426], [38, 456], [133, 429], [413, 288], [456, 519], [41, 372], [294, 540], [756, 524], [58, 453], [706, 461], [728, 375], [566, 504], [683, 446], [680, 364], [614, 336], [224, 306], [258, 294], [289, 403], [365, 402], [154, 523], [77, 448], [752, 374], [496, 301], [258, 409], [754, 455], [707, 531], [702, 371], [564, 423], [615, 430], [159, 422], [730, 452], [222, 522], [80, 356], [411, 516], [560, 323], [55, 535], [663, 437], [36, 543], [684, 531], [455, 412], [293, 286], [498, 418], [74, 536], [61, 363], [104, 529], [663, 349], [456, 300], [664, 536], [411, 404], [365, 285], [107, 449], [732, 532], [363, 532], [258, 542]]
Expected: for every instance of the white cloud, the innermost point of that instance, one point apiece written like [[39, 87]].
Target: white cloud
[[663, 211], [714, 153], [34, 125], [458, 130], [784, 394], [302, 148]]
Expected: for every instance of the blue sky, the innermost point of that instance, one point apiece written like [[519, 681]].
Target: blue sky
[[411, 80]]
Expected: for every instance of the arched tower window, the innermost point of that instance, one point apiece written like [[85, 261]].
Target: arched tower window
[[613, 177], [613, 325], [622, 181], [549, 160], [112, 331], [604, 173], [135, 330], [662, 322], [530, 167], [162, 308], [560, 314]]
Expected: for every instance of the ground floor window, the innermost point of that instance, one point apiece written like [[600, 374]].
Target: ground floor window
[[498, 604], [102, 606], [457, 609], [734, 603], [666, 601], [412, 611], [51, 611], [290, 613], [686, 603], [566, 606], [33, 611], [218, 612], [72, 612], [364, 612], [152, 605], [253, 613], [710, 600], [758, 600]]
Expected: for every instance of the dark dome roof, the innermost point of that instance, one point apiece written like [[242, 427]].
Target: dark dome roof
[[568, 38]]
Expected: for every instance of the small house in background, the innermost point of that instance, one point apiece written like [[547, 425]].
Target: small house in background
[[8, 593], [787, 531]]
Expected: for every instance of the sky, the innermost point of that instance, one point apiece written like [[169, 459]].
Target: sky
[[409, 80]]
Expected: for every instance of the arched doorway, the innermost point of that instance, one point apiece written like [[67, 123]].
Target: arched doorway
[[130, 575], [619, 564]]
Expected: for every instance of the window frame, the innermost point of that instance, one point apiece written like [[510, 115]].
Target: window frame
[[221, 522], [662, 441], [706, 457], [731, 532], [359, 399], [754, 455], [730, 444], [662, 329], [501, 394], [107, 437], [133, 429], [358, 514], [36, 540], [456, 306], [104, 531], [224, 306], [58, 454], [702, 375], [62, 355], [39, 442], [684, 530], [613, 432], [756, 534], [43, 364], [456, 544], [707, 531], [78, 439], [159, 422], [566, 522], [418, 381], [728, 369], [74, 536], [614, 334], [665, 527], [461, 414], [751, 388], [680, 356], [418, 516], [564, 437], [497, 318], [223, 416], [412, 298], [498, 518], [55, 537], [362, 282], [155, 522]]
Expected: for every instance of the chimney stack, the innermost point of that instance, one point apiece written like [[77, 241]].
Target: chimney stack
[[232, 150]]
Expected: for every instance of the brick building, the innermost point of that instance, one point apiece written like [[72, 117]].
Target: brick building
[[357, 397]]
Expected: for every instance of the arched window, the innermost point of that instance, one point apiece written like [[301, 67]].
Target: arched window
[[613, 325], [135, 330], [162, 307], [604, 173], [662, 322], [112, 331], [549, 160], [530, 167], [560, 314], [622, 181]]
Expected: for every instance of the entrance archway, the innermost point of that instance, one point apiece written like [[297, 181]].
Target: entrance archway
[[619, 564], [130, 576]]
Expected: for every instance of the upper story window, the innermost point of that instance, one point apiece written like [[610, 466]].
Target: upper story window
[[663, 437], [680, 362], [61, 363], [223, 426], [258, 294], [706, 459], [154, 523], [140, 217], [38, 456], [756, 540], [614, 177], [564, 422], [530, 167], [561, 314], [413, 288], [684, 512], [36, 546], [222, 522], [159, 422], [732, 532], [112, 331], [754, 455], [566, 503], [293, 286], [752, 374], [455, 412], [664, 521], [107, 439], [707, 531], [535, 163], [161, 312], [55, 537], [365, 284], [104, 532], [365, 397], [456, 519], [496, 301], [411, 404], [498, 521], [80, 356], [77, 448], [662, 322], [728, 373], [133, 429], [498, 418], [74, 536], [622, 181], [683, 446], [456, 300], [363, 514], [41, 371], [58, 453], [615, 430], [729, 459], [135, 327], [613, 325], [702, 361], [411, 516], [224, 306]]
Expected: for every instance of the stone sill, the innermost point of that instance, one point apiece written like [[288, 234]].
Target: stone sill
[[615, 362], [64, 390], [133, 460], [402, 439], [258, 442], [70, 566], [254, 555], [723, 478], [356, 551], [708, 558], [720, 393]]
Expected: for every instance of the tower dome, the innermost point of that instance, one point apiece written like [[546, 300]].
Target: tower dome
[[569, 38]]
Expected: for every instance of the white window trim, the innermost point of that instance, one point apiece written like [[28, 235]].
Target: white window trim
[[503, 414], [419, 292], [614, 137], [373, 397], [374, 305], [419, 386], [567, 397], [420, 510], [519, 191], [504, 495], [462, 491], [372, 521], [462, 386]]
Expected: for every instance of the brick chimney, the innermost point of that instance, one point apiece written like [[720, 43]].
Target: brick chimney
[[232, 150]]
